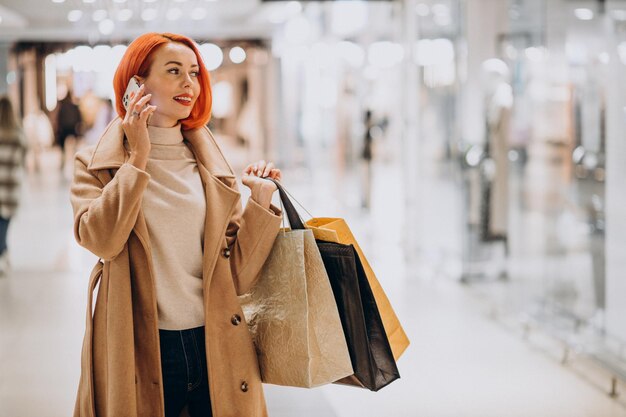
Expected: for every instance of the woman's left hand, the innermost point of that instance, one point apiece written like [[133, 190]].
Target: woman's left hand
[[261, 190]]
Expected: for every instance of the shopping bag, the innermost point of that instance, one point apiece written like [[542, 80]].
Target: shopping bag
[[336, 230], [293, 318], [372, 359], [371, 355]]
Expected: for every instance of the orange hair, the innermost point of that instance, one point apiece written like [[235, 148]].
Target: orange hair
[[137, 61]]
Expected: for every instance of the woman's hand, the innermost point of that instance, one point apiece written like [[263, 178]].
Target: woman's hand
[[135, 125], [261, 190]]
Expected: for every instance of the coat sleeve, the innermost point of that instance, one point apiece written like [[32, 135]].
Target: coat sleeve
[[250, 236], [104, 215]]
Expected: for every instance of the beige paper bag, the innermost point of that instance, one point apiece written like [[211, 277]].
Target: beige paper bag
[[293, 317]]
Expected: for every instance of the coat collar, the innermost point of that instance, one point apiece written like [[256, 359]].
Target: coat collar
[[111, 153]]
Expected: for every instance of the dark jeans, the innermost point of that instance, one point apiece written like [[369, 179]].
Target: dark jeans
[[183, 362], [4, 227]]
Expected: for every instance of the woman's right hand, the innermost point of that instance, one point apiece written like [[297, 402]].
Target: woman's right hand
[[135, 125]]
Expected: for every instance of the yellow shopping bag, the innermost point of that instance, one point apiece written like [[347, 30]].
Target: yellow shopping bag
[[336, 230]]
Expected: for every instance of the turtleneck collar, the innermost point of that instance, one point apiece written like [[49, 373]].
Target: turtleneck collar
[[165, 135]]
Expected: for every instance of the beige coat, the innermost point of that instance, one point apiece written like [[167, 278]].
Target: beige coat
[[120, 367]]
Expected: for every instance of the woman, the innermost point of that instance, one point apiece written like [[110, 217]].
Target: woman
[[158, 203], [12, 153]]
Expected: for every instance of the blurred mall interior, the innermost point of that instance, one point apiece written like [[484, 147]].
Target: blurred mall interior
[[475, 147]]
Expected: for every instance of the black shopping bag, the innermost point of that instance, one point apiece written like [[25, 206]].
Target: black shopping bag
[[370, 352]]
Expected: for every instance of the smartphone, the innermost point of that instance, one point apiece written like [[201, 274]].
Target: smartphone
[[131, 90]]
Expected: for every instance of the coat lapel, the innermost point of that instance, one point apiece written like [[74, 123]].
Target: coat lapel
[[109, 152], [221, 201], [217, 177]]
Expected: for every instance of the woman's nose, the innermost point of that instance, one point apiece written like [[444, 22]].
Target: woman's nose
[[187, 81]]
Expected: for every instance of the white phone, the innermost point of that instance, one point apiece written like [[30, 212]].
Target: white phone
[[131, 90]]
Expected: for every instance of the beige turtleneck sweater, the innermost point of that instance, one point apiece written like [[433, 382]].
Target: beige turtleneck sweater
[[174, 206]]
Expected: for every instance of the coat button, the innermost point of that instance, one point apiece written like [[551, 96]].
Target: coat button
[[235, 319], [226, 253], [244, 386]]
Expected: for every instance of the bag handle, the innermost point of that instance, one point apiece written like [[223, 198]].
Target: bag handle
[[295, 221]]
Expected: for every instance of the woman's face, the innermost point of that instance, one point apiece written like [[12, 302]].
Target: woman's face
[[173, 82]]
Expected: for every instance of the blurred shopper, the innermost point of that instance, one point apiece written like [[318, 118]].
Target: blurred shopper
[[40, 136], [12, 156], [498, 95], [69, 122], [366, 156], [103, 117], [159, 204]]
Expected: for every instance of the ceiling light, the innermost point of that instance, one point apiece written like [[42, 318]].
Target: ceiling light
[[237, 55], [119, 1], [198, 13], [89, 1], [74, 15], [174, 13], [58, 1], [106, 27], [149, 14], [99, 15], [124, 15], [583, 14], [212, 55]]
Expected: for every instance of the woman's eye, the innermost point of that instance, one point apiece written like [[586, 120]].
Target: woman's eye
[[176, 71]]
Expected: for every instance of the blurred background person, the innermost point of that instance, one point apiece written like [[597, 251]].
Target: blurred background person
[[366, 156], [69, 121], [12, 157], [39, 134], [103, 116]]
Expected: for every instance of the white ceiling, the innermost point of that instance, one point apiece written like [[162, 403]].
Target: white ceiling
[[44, 20]]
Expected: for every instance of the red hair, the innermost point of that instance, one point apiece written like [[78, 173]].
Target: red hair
[[137, 61]]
